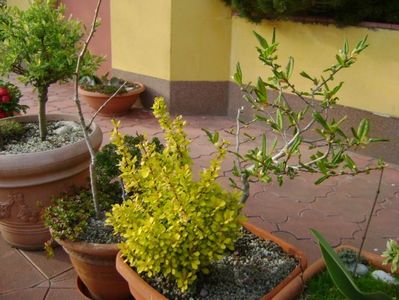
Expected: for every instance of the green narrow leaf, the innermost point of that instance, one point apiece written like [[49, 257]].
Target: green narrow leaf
[[279, 119], [238, 74], [306, 75], [339, 59], [274, 35], [340, 276], [290, 67], [346, 47], [363, 129], [261, 91], [319, 118], [321, 179], [349, 162], [262, 41], [264, 145]]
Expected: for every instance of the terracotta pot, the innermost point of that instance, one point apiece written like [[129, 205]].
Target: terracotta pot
[[95, 266], [29, 181], [117, 106], [141, 290], [296, 286]]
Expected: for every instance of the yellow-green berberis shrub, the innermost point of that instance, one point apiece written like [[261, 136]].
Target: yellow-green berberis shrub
[[173, 225]]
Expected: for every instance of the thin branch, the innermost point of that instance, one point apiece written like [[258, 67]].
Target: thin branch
[[243, 175], [369, 220], [93, 183], [105, 104]]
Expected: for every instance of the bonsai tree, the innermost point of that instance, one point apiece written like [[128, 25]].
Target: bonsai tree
[[42, 46]]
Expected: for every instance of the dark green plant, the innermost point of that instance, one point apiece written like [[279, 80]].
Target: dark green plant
[[10, 130], [106, 86], [70, 213], [41, 45], [107, 161], [342, 11], [339, 274]]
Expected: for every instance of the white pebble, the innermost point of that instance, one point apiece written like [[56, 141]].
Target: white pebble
[[384, 276]]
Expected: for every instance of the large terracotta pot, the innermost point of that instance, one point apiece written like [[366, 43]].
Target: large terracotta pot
[[117, 106], [95, 266], [28, 182], [296, 286], [141, 290]]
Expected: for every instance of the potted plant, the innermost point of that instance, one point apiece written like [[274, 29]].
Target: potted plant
[[76, 219], [9, 100], [351, 272], [96, 91], [296, 125], [333, 276], [90, 244], [175, 228], [41, 46]]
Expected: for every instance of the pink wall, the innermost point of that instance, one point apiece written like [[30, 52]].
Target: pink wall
[[101, 43]]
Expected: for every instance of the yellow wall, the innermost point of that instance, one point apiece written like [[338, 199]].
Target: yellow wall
[[24, 4], [371, 84], [140, 35], [201, 32]]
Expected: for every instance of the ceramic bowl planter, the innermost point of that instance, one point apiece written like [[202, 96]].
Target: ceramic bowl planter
[[119, 105], [95, 266], [141, 290], [295, 287], [29, 181]]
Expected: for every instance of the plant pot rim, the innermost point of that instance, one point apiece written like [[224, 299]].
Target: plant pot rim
[[126, 271], [49, 161], [295, 287], [50, 117], [138, 90], [89, 248]]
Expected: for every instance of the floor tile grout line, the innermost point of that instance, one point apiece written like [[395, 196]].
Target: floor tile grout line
[[61, 273], [33, 264], [46, 294]]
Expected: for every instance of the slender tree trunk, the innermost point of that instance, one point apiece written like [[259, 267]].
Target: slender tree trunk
[[43, 96]]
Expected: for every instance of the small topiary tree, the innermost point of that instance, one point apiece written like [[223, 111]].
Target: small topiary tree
[[42, 46], [171, 224]]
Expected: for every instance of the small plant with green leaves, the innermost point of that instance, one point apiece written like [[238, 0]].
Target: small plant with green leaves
[[341, 277], [9, 131], [391, 255], [69, 215], [41, 45], [106, 86], [172, 224]]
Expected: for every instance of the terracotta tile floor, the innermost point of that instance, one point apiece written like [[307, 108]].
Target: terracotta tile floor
[[338, 208]]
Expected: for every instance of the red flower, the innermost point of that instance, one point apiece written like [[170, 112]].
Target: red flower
[[3, 91], [3, 114], [5, 99]]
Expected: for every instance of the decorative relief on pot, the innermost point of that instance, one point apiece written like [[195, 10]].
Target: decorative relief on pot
[[25, 213], [5, 208]]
